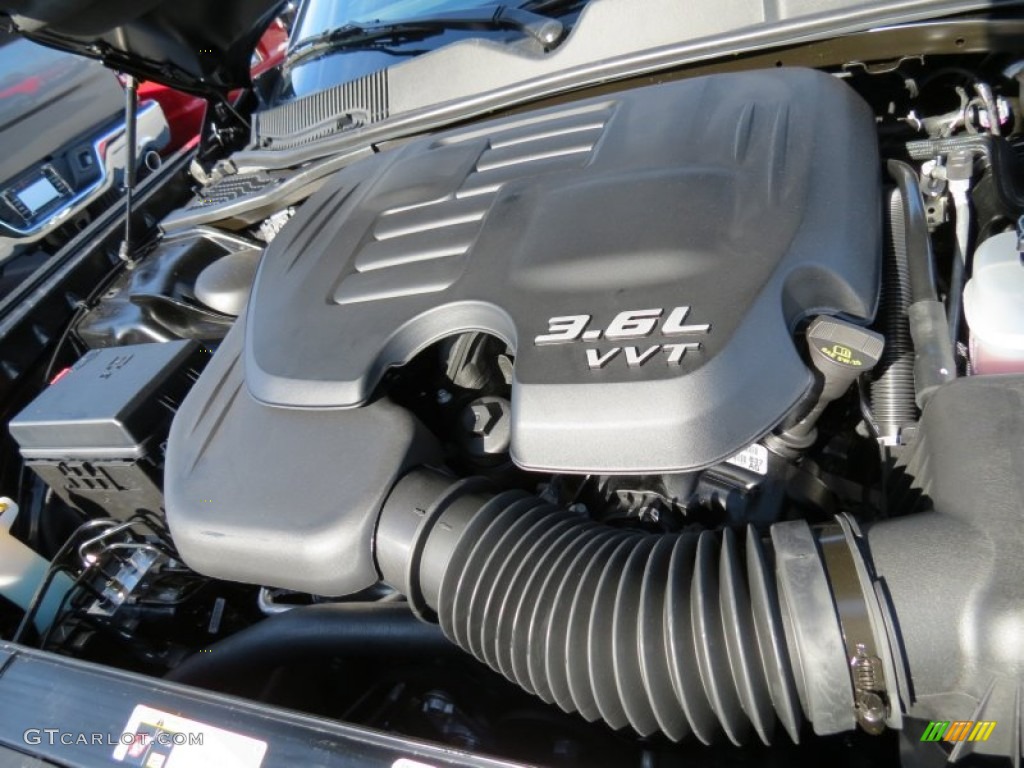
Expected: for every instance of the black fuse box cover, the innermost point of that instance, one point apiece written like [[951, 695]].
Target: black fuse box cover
[[111, 405], [96, 436]]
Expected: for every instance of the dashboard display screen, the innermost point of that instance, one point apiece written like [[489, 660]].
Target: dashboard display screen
[[38, 194]]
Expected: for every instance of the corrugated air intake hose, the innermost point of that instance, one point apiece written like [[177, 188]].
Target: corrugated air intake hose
[[711, 634]]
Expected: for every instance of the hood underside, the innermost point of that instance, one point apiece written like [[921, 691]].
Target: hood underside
[[191, 45]]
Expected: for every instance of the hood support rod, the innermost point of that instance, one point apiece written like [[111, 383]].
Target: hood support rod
[[130, 113]]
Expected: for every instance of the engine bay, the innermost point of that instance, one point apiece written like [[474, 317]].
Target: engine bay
[[663, 424], [497, 235]]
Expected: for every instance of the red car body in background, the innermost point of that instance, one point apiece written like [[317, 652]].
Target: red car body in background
[[184, 112]]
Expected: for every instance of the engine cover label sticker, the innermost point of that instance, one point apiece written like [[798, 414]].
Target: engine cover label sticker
[[157, 739], [753, 457]]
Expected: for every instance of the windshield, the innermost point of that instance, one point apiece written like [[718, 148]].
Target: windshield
[[317, 17], [331, 65]]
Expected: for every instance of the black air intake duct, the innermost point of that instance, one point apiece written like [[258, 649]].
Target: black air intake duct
[[678, 633]]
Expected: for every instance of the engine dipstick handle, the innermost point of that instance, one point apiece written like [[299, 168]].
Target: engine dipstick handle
[[841, 352]]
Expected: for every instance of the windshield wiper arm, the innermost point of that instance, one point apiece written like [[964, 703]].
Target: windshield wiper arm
[[544, 29]]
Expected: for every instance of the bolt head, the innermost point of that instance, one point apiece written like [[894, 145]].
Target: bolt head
[[484, 416], [871, 712]]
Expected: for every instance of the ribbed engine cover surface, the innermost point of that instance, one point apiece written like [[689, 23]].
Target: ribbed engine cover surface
[[718, 212]]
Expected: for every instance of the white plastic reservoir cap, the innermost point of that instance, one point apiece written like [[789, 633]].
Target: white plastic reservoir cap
[[994, 306]]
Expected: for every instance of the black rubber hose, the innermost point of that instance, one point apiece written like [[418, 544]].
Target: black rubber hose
[[956, 298], [918, 243], [673, 633], [892, 392], [934, 362], [312, 633]]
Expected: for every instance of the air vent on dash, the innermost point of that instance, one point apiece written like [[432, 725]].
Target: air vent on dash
[[422, 248], [343, 107]]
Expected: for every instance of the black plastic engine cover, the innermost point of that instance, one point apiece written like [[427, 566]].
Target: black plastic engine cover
[[722, 210], [281, 497]]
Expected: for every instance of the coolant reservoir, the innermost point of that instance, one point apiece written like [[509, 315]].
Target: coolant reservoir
[[994, 306], [22, 571]]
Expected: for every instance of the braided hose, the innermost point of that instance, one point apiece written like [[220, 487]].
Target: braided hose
[[892, 391]]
